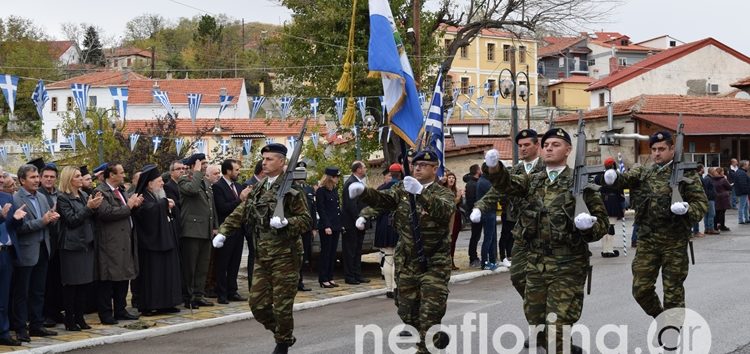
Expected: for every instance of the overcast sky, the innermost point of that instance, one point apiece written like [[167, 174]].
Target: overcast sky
[[686, 20]]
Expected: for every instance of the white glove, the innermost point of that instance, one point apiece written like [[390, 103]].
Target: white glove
[[360, 223], [218, 240], [475, 216], [610, 176], [492, 158], [356, 189], [412, 185], [277, 222], [680, 208], [584, 221]]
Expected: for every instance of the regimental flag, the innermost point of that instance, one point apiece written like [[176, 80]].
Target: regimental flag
[[81, 97], [120, 95], [285, 103], [434, 125], [315, 139], [387, 56], [257, 102], [340, 101], [314, 103], [200, 146], [224, 102], [194, 103], [40, 98], [361, 106], [72, 141], [9, 86], [471, 91], [247, 145], [157, 141], [224, 143], [178, 144], [26, 148], [134, 140], [163, 97]]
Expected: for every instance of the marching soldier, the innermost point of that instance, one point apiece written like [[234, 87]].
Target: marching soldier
[[557, 240], [422, 292], [278, 246]]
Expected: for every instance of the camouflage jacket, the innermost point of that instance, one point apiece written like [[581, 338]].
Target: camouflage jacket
[[493, 196], [434, 206], [545, 217], [257, 211], [653, 215]]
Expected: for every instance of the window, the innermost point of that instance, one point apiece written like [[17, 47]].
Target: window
[[490, 51], [448, 43], [53, 104], [464, 52], [129, 61], [592, 62], [465, 85], [92, 101], [672, 43], [69, 104], [54, 135], [622, 61], [506, 52], [522, 54], [493, 86], [561, 62], [601, 99]]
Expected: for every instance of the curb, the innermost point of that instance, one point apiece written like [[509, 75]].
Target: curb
[[182, 327]]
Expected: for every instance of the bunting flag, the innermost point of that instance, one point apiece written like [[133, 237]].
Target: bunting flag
[[286, 105], [72, 141], [315, 139], [224, 143], [9, 86], [422, 98], [456, 92], [81, 97], [224, 102], [434, 124], [361, 106], [339, 107], [178, 144], [269, 141], [465, 109], [290, 142], [257, 102], [314, 103], [40, 98], [134, 140], [479, 101], [471, 91], [496, 96], [82, 138], [621, 162], [49, 146], [163, 97], [383, 108], [487, 88], [194, 102], [448, 114], [156, 140], [26, 148], [246, 145], [3, 154], [120, 95], [200, 146]]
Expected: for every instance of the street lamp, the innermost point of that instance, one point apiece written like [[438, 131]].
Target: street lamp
[[509, 87], [100, 114]]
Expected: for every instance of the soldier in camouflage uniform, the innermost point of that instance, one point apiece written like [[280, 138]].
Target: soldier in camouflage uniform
[[278, 246], [663, 229], [557, 240], [422, 293]]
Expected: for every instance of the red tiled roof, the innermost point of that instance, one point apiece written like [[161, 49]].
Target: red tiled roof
[[502, 144], [701, 125], [100, 79], [271, 128], [575, 79], [610, 39], [742, 83], [469, 121], [57, 48], [557, 44], [140, 91], [660, 59], [127, 51]]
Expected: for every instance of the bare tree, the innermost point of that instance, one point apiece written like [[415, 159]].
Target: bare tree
[[144, 26]]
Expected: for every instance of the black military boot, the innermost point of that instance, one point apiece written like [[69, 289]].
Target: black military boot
[[616, 253], [281, 348]]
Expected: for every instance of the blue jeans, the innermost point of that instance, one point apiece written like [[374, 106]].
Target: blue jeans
[[708, 221], [733, 200], [742, 212], [489, 250], [634, 236]]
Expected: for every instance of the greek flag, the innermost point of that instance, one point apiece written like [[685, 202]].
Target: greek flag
[[422, 98], [72, 141], [178, 144], [224, 145], [286, 105], [465, 109], [246, 145], [479, 100], [26, 148], [3, 153], [200, 146], [81, 96], [386, 55], [339, 107], [257, 102], [290, 142], [50, 147], [133, 140], [471, 91], [40, 97], [315, 139], [487, 87], [120, 95], [163, 97], [9, 86], [194, 102], [383, 108], [448, 114], [269, 141], [224, 101], [496, 96], [456, 92], [361, 106], [82, 138], [156, 140], [314, 103], [434, 124]]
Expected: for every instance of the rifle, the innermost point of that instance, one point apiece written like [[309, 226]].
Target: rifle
[[581, 172], [678, 171], [288, 178]]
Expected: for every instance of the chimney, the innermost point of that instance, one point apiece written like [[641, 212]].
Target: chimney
[[613, 65]]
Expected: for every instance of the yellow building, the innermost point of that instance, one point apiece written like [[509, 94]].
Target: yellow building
[[570, 93]]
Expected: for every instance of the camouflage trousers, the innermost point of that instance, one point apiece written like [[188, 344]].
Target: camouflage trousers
[[422, 297], [672, 259], [554, 285], [272, 294], [520, 257]]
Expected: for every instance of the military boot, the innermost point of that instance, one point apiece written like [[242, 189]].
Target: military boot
[[281, 348]]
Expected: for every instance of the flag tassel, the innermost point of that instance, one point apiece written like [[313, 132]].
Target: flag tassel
[[346, 78], [350, 114]]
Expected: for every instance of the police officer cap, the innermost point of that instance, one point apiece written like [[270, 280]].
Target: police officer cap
[[526, 133], [333, 171], [195, 158], [274, 147], [38, 163], [301, 171], [659, 136], [426, 155], [84, 170], [101, 168], [556, 133]]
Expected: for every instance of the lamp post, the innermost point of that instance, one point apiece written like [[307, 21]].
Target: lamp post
[[509, 87], [100, 114]]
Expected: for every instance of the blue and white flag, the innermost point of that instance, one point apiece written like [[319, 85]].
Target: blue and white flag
[[285, 103], [269, 141], [49, 146], [386, 55], [456, 92], [621, 162], [26, 148], [134, 140], [383, 108], [82, 138], [120, 95], [290, 141], [224, 143], [224, 102], [81, 97], [163, 97], [449, 114], [479, 100], [4, 154], [496, 97], [178, 144], [422, 98], [465, 109], [361, 106], [487, 88], [194, 102], [434, 125], [339, 107], [9, 86], [246, 145], [40, 98], [72, 141], [200, 146], [157, 141], [314, 103], [471, 91], [257, 102], [315, 137]]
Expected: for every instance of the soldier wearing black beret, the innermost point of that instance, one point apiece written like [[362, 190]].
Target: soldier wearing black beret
[[660, 136], [559, 133], [526, 133], [274, 147], [427, 156], [190, 161]]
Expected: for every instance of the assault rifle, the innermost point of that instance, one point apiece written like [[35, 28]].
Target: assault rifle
[[288, 178], [581, 172], [678, 171]]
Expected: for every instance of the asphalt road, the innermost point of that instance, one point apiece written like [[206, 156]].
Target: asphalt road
[[716, 288]]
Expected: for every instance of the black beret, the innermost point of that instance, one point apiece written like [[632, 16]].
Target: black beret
[[84, 170], [426, 155], [194, 158], [38, 163], [559, 133], [526, 133], [101, 167], [333, 171], [659, 136], [274, 147]]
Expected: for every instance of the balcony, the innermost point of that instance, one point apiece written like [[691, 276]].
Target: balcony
[[581, 67]]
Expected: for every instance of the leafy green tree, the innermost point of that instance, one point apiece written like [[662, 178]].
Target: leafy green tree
[[92, 52]]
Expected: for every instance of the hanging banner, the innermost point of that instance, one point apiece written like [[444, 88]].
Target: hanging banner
[[133, 140], [156, 140], [178, 144]]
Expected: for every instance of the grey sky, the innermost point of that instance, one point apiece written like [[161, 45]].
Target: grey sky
[[686, 20]]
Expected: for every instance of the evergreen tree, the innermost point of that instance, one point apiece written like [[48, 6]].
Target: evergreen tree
[[92, 52]]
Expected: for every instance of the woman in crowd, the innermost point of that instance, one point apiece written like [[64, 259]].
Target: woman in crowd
[[455, 224], [723, 192], [329, 225], [159, 260], [76, 250], [386, 235]]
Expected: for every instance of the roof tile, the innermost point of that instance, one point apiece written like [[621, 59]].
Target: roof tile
[[269, 128], [140, 91], [99, 79]]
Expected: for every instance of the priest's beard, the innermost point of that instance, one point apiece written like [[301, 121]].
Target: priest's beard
[[159, 193]]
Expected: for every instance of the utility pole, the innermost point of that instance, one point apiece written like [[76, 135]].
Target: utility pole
[[514, 104], [417, 49], [153, 60]]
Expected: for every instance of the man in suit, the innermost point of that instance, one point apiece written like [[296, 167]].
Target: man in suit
[[53, 294], [199, 224], [176, 170], [116, 247], [32, 251], [9, 219], [227, 196], [351, 243]]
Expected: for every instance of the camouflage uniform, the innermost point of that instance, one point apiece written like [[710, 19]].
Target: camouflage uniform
[[422, 296], [662, 235], [558, 255], [519, 254], [278, 254]]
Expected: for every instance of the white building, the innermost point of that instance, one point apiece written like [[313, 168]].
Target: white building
[[65, 52], [662, 42]]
